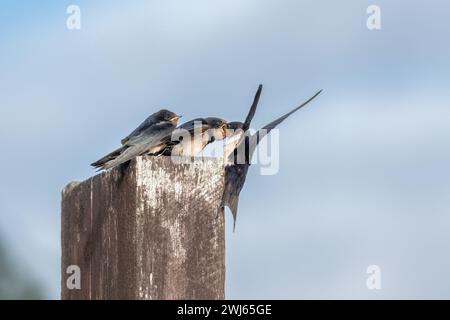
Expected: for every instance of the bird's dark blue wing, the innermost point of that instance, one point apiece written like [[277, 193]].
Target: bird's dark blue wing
[[235, 174], [143, 142], [147, 123], [252, 111]]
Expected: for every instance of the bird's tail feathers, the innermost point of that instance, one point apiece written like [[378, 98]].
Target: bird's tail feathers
[[232, 203], [100, 164]]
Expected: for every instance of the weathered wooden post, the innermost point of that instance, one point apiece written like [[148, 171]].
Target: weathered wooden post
[[154, 230]]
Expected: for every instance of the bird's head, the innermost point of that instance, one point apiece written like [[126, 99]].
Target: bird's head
[[168, 116], [232, 127], [218, 125]]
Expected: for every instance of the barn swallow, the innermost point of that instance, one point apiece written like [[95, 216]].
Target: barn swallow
[[236, 171], [236, 130], [147, 138], [200, 131]]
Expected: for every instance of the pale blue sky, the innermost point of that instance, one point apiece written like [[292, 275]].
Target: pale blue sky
[[364, 175]]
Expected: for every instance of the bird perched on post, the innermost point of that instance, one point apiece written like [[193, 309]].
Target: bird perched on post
[[148, 138], [238, 164], [190, 138]]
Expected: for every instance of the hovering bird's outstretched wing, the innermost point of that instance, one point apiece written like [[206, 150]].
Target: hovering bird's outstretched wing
[[230, 151], [251, 112], [236, 173], [142, 143], [261, 133]]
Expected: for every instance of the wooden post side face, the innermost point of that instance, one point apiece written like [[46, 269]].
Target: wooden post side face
[[152, 230], [113, 273], [75, 234], [180, 230]]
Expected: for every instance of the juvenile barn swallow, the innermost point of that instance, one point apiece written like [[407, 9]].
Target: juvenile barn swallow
[[236, 171], [148, 138], [190, 138]]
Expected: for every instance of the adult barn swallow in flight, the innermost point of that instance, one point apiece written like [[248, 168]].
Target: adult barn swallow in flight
[[236, 171], [236, 130], [148, 138], [190, 138]]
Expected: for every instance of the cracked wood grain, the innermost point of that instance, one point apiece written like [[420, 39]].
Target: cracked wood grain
[[152, 230]]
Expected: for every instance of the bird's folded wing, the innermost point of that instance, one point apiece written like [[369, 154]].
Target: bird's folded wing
[[145, 125], [140, 144]]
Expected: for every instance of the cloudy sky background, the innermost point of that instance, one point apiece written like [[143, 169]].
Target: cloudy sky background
[[364, 171]]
